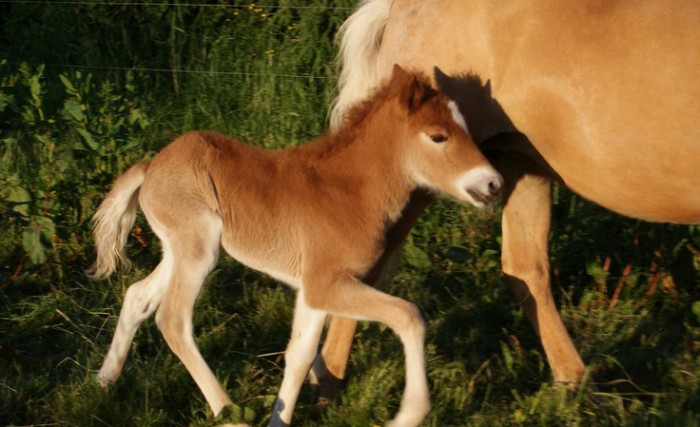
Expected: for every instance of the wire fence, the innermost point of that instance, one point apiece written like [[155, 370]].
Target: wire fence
[[161, 4], [174, 71], [249, 5]]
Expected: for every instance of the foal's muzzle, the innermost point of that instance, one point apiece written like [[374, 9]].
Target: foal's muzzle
[[482, 185], [490, 192]]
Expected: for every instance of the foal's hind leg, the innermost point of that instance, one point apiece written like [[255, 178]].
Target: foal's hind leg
[[140, 301], [195, 250]]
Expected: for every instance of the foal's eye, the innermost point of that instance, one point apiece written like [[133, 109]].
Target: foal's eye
[[438, 138]]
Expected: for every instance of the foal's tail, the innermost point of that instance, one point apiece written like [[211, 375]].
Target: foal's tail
[[114, 219], [360, 37]]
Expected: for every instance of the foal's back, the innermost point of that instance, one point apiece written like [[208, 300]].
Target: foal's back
[[270, 206]]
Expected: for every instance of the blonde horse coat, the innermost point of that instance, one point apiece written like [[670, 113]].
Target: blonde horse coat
[[602, 95]]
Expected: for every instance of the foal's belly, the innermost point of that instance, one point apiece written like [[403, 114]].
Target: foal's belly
[[279, 262]]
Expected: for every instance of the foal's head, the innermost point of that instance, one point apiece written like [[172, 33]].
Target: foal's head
[[437, 150]]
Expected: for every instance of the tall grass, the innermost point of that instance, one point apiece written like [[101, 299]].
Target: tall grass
[[86, 89]]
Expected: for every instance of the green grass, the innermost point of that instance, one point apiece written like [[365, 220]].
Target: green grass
[[88, 89]]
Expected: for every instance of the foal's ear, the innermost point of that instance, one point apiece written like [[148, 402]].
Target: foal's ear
[[412, 92], [441, 79], [415, 94], [397, 72]]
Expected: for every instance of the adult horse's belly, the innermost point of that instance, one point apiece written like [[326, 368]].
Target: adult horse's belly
[[608, 92]]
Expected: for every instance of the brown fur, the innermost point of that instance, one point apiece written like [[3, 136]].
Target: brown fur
[[314, 217]]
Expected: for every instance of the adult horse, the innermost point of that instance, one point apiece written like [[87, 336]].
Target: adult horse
[[603, 96]]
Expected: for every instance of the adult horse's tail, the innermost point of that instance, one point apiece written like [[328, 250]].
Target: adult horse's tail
[[360, 37], [114, 219]]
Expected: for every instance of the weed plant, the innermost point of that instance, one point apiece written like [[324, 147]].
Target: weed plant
[[86, 89]]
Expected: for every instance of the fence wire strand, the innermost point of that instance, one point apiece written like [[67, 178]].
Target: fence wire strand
[[174, 71], [162, 4]]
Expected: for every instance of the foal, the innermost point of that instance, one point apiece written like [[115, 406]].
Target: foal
[[313, 217]]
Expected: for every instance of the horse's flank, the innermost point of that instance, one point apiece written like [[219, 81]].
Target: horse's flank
[[608, 92]]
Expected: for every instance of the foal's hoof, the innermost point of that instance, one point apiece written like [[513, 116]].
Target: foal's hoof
[[103, 380], [234, 413], [411, 415]]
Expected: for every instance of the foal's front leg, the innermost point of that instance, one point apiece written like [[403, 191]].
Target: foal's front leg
[[302, 348], [347, 297], [329, 368]]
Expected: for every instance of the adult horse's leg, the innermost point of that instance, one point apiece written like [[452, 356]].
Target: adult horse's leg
[[525, 258], [328, 370]]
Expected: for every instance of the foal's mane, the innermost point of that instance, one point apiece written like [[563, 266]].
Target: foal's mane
[[359, 111]]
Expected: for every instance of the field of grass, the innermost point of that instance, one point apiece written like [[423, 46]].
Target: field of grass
[[88, 88]]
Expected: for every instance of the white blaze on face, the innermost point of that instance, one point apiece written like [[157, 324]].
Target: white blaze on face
[[457, 116]]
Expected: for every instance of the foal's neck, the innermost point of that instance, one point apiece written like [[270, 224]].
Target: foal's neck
[[368, 157]]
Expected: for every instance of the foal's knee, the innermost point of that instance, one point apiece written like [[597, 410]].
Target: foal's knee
[[297, 354], [173, 328], [136, 304], [412, 324]]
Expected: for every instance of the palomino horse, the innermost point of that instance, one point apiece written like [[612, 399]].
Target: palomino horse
[[313, 217], [603, 96]]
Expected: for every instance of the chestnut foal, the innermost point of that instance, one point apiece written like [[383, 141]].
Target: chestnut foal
[[313, 217]]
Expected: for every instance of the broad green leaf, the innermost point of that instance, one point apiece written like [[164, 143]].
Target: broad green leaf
[[16, 194], [31, 242], [507, 357], [22, 209], [73, 109], [129, 146], [416, 258], [67, 84], [35, 88], [19, 197], [46, 227], [42, 139], [88, 140]]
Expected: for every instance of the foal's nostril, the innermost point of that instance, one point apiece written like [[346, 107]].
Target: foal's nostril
[[494, 187]]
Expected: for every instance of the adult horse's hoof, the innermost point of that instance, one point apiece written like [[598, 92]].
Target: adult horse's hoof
[[325, 385]]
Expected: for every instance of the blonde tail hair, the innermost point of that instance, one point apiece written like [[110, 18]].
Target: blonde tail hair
[[113, 221], [359, 39]]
